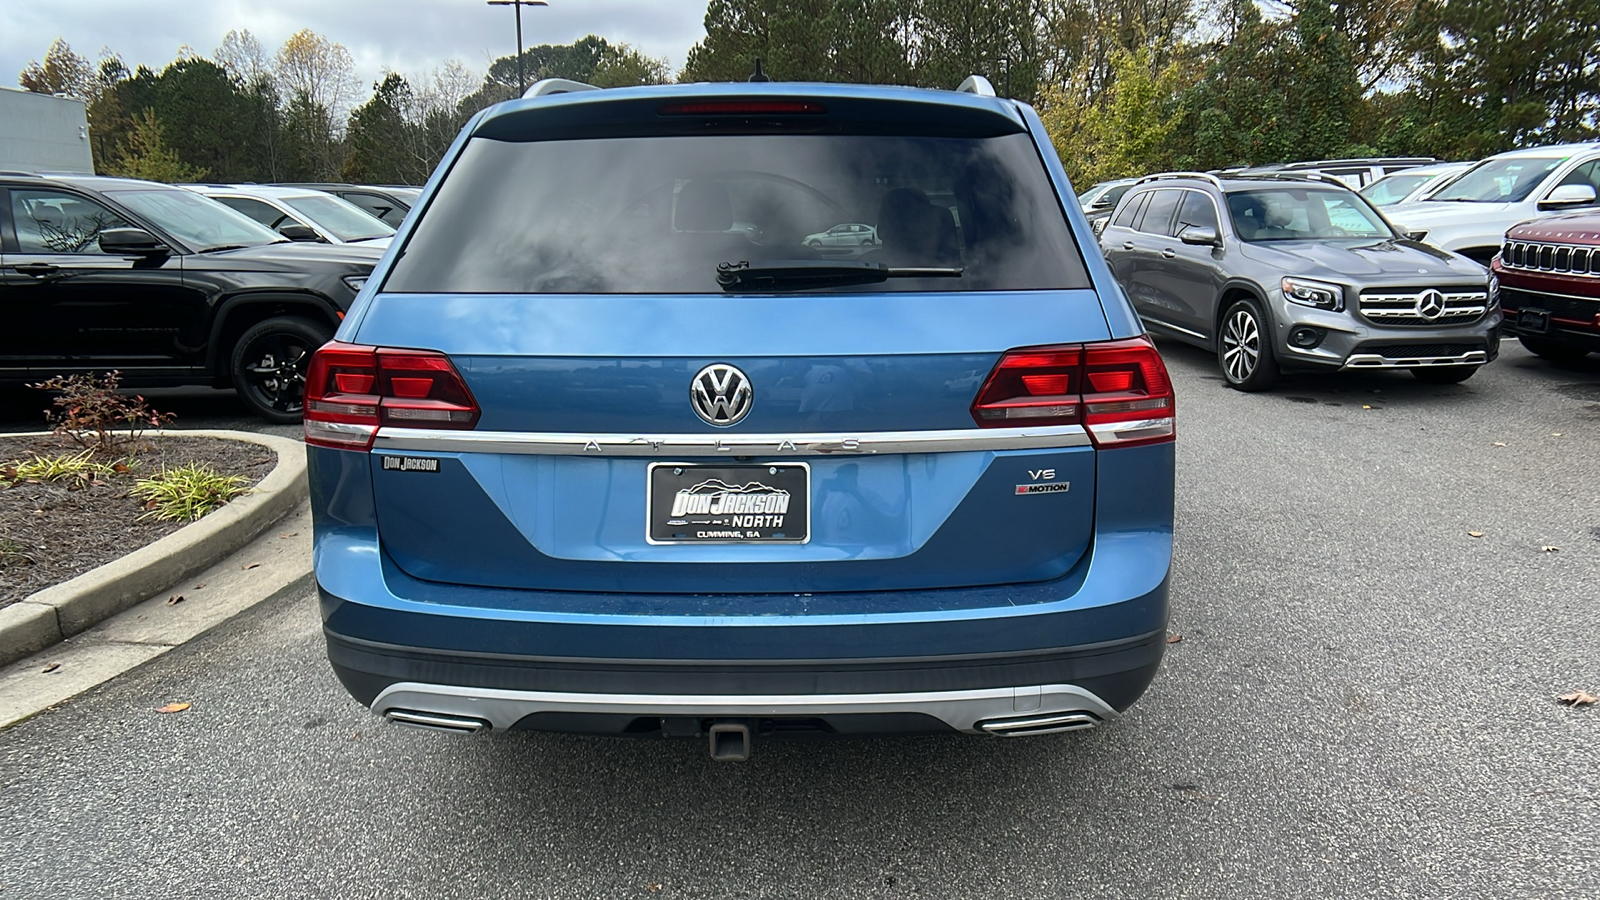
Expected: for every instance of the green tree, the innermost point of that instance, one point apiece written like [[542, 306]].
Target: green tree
[[379, 135], [147, 157], [1128, 132]]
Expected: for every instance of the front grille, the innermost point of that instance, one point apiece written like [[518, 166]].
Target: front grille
[[1560, 306], [1538, 256], [1417, 351], [1454, 306]]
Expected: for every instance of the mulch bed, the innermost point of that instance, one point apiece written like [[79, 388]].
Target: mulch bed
[[53, 532]]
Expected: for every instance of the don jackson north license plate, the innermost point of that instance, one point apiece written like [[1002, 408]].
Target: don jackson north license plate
[[694, 504]]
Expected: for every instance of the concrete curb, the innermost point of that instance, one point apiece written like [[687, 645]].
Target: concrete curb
[[63, 610]]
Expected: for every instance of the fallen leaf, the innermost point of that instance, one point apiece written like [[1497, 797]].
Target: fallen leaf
[[50, 668], [1174, 638], [1498, 444], [172, 708], [249, 566], [200, 585], [653, 887], [1578, 698], [1474, 534], [1555, 434], [120, 468], [1549, 549], [288, 534], [1364, 406], [175, 599]]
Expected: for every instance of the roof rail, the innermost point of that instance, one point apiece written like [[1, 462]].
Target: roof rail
[[976, 84], [1160, 176], [546, 87], [1294, 175]]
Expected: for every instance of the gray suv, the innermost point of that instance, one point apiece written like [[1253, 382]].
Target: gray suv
[[1289, 273]]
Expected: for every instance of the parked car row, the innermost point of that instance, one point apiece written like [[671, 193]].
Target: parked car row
[[1311, 276], [172, 287]]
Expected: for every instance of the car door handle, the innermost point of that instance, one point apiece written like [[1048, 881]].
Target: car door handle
[[1127, 245], [37, 270], [1169, 253]]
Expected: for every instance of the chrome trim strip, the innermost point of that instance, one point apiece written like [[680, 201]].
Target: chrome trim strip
[[1536, 293], [961, 710], [952, 440], [1151, 320], [347, 429], [1378, 361], [1142, 430]]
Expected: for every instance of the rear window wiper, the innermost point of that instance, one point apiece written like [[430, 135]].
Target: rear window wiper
[[805, 274]]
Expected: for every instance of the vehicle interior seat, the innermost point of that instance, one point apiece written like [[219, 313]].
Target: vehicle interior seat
[[912, 230]]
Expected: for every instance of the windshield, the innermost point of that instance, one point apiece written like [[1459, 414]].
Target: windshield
[[198, 221], [1300, 214], [340, 218], [1391, 190], [1506, 180], [659, 215]]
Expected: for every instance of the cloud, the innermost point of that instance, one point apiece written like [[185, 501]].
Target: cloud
[[408, 36]]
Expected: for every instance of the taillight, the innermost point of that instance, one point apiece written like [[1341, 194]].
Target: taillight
[[1118, 390], [353, 390]]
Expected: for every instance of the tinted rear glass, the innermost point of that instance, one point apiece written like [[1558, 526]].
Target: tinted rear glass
[[657, 215]]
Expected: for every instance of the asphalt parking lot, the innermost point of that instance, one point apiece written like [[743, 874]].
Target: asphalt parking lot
[[1362, 705]]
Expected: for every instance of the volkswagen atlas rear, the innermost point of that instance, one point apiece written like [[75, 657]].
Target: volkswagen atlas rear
[[608, 446]]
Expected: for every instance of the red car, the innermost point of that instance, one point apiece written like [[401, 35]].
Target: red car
[[1549, 271]]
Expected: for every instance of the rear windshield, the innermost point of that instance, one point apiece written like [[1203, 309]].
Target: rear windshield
[[657, 215]]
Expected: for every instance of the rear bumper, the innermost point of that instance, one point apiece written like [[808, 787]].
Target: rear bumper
[[960, 692]]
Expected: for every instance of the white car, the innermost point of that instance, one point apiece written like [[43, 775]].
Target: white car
[[1470, 215], [1411, 185], [847, 235], [301, 213]]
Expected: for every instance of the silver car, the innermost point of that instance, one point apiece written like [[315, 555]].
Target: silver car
[[1286, 273], [847, 235]]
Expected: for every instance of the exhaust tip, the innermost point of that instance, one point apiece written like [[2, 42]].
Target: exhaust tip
[[1045, 723], [437, 721]]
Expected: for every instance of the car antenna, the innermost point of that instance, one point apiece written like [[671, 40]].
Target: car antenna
[[759, 75]]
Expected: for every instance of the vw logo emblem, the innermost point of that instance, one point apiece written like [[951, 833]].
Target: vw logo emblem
[[1430, 304], [721, 394]]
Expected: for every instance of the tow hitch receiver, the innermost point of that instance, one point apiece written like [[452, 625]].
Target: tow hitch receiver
[[730, 740]]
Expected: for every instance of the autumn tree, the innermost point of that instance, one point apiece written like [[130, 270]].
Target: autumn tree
[[147, 157], [62, 72]]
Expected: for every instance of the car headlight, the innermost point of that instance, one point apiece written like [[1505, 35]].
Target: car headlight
[[1315, 294], [355, 282], [1494, 291]]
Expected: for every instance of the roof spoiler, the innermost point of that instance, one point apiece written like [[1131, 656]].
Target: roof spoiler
[[549, 86]]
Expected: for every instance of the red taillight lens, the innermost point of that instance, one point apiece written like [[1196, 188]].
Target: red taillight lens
[[352, 390], [1038, 386], [1118, 390]]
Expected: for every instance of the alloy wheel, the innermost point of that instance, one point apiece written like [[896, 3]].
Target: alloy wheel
[[276, 373], [1241, 345]]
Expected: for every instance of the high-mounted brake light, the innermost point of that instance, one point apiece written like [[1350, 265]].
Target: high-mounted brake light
[[1118, 390], [353, 390], [743, 108]]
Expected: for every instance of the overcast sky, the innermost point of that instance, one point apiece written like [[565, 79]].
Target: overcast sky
[[408, 36]]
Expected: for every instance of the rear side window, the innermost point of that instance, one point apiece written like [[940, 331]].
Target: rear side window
[[1159, 214], [1130, 211], [657, 215]]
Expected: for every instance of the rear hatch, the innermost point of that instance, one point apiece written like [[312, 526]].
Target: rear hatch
[[656, 362]]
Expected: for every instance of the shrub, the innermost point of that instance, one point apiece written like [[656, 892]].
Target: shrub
[[90, 411]]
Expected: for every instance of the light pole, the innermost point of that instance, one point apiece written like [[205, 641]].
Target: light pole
[[522, 83]]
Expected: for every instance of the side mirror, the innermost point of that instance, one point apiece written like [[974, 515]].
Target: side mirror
[[1200, 236], [294, 231], [1416, 235], [131, 242], [1568, 195], [1102, 202]]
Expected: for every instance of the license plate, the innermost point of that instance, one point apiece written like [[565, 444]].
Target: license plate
[[1534, 320], [699, 504]]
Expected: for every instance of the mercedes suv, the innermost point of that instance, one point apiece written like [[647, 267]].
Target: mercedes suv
[[586, 457], [1279, 273]]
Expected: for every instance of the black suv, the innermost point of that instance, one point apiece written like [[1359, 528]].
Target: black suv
[[169, 287]]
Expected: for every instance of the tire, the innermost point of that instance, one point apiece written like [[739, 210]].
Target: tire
[[268, 366], [815, 245], [1244, 348], [1444, 374], [1552, 350]]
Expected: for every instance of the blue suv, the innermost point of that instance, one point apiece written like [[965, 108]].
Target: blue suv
[[604, 446]]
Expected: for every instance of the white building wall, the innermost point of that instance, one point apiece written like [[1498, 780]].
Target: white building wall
[[40, 133]]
